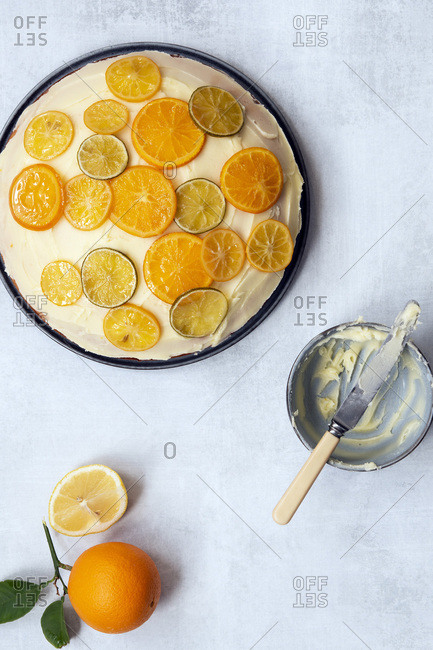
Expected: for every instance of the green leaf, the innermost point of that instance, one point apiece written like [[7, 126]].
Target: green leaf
[[17, 598], [54, 626]]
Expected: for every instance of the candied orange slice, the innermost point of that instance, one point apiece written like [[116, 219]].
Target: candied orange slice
[[222, 254], [87, 202], [36, 197], [133, 78], [163, 132], [106, 117], [61, 283], [48, 135], [144, 201], [270, 246], [252, 179], [131, 328], [173, 265]]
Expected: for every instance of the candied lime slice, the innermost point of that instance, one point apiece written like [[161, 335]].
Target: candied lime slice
[[109, 277], [216, 111], [198, 312], [200, 205], [102, 156]]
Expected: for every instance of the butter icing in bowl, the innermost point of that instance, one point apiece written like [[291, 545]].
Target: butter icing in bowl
[[252, 294], [325, 372]]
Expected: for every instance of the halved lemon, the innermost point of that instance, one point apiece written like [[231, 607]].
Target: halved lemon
[[106, 117], [173, 265], [88, 500], [270, 246], [87, 202], [48, 135], [102, 156], [109, 277], [131, 328], [61, 283], [133, 78], [198, 312], [200, 205], [216, 111], [222, 254]]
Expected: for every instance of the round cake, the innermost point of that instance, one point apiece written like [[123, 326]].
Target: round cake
[[155, 122]]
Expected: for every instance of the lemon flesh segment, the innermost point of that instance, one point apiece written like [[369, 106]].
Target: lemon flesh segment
[[270, 246], [198, 312], [61, 283], [109, 277], [200, 205], [106, 116], [131, 328], [102, 156], [87, 500], [48, 135], [216, 111]]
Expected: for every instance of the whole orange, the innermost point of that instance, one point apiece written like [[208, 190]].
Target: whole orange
[[114, 587]]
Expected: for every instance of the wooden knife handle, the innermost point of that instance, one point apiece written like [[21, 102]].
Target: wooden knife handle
[[299, 487]]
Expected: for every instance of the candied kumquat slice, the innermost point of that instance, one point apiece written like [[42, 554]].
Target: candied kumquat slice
[[133, 78], [164, 133], [109, 277], [61, 283], [106, 117], [252, 179], [173, 265], [144, 201], [36, 197], [87, 202], [198, 312], [131, 328], [48, 135], [270, 246], [222, 254]]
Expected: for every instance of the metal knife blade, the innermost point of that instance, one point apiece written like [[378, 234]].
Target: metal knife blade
[[376, 372]]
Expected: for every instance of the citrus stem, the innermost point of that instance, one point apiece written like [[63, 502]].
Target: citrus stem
[[56, 562]]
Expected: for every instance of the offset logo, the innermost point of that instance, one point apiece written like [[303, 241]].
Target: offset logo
[[309, 591], [37, 302], [30, 31], [310, 310], [310, 31]]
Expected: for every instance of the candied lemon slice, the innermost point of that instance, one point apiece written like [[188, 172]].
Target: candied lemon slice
[[131, 328], [87, 202], [144, 201], [252, 179], [163, 133], [36, 197], [270, 246], [200, 205], [61, 283], [173, 265], [102, 156], [216, 111], [222, 254], [106, 117], [198, 312], [133, 78], [87, 500], [48, 135], [109, 277]]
